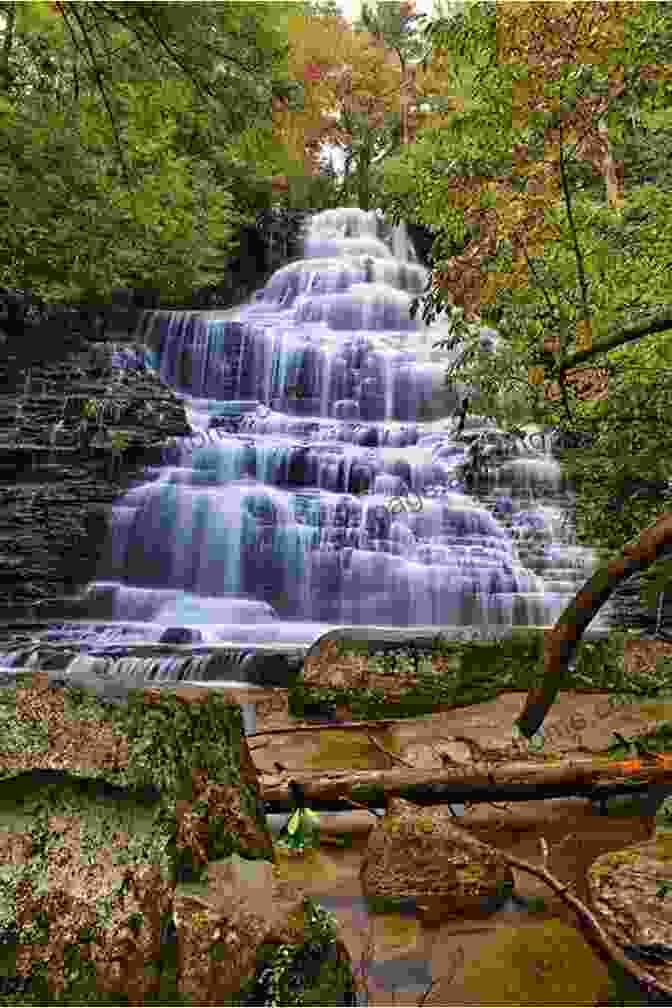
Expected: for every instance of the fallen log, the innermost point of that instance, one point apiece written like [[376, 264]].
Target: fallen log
[[588, 777]]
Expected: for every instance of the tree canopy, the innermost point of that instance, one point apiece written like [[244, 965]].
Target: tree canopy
[[123, 156], [544, 175]]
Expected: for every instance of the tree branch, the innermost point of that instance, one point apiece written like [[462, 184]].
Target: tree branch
[[189, 72], [552, 309], [629, 334], [101, 85], [575, 241], [521, 780], [589, 924]]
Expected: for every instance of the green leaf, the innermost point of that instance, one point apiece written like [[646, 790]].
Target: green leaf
[[294, 822]]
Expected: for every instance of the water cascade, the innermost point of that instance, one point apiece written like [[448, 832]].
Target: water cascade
[[323, 484]]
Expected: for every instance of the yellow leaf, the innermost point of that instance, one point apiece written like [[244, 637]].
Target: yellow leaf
[[584, 335], [535, 375], [293, 823]]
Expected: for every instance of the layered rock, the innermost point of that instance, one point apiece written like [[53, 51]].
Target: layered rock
[[57, 483], [418, 857]]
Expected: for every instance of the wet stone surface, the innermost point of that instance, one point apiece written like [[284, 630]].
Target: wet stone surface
[[56, 493]]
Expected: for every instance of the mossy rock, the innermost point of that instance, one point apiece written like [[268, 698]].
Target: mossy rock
[[146, 742], [476, 670]]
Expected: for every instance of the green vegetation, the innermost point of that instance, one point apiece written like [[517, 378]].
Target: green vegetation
[[125, 160], [165, 741], [276, 962], [547, 188], [140, 139], [476, 671]]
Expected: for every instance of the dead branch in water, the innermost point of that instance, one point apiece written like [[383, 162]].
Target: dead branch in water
[[386, 752], [588, 923]]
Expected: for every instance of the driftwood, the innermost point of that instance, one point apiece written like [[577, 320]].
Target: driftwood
[[590, 777]]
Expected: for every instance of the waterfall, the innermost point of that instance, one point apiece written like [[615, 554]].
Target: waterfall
[[323, 484]]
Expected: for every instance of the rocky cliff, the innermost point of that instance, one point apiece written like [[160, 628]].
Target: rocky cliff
[[64, 460]]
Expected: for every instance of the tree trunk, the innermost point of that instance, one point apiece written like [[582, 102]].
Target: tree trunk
[[464, 408], [609, 169], [404, 100], [560, 642], [364, 175], [8, 42], [592, 777], [345, 184]]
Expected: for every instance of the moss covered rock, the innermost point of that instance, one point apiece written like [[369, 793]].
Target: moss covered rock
[[109, 798]]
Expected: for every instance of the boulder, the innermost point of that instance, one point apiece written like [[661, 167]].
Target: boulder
[[85, 914], [110, 798], [326, 666], [416, 856], [624, 890], [223, 922]]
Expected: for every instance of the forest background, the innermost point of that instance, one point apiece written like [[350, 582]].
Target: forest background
[[532, 141]]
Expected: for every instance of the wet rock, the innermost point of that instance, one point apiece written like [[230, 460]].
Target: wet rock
[[633, 906], [418, 853], [57, 481], [180, 635], [240, 907], [436, 755]]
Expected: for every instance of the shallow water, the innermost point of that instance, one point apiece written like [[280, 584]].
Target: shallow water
[[402, 956], [408, 954]]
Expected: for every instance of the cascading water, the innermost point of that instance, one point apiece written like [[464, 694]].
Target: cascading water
[[324, 485]]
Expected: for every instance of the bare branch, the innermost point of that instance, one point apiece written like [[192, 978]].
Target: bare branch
[[101, 84], [589, 924], [575, 241]]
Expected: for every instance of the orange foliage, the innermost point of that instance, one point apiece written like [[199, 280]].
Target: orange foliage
[[544, 38], [341, 70]]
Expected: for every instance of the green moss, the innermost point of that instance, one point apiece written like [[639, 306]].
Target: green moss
[[476, 671], [334, 975], [389, 904], [166, 739]]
